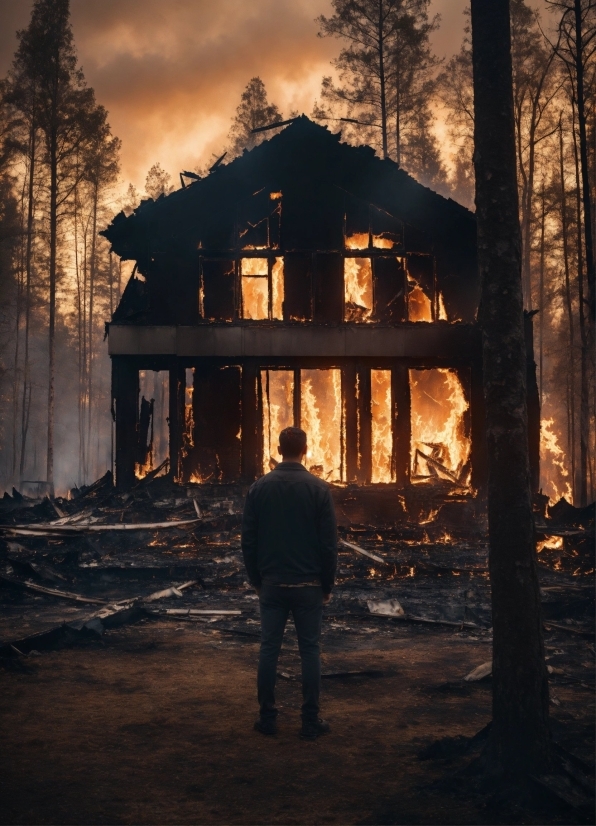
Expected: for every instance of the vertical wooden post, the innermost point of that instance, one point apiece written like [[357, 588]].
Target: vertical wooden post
[[177, 375], [348, 392], [365, 425], [402, 426], [125, 395], [252, 422]]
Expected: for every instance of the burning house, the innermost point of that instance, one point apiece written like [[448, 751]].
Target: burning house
[[307, 282]]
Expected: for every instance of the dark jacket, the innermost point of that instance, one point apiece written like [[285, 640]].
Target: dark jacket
[[289, 533]]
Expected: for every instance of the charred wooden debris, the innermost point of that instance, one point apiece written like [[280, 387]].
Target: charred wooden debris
[[72, 569]]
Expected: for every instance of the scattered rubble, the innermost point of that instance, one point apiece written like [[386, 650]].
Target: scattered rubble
[[105, 549]]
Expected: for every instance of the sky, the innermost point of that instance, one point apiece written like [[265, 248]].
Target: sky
[[171, 72]]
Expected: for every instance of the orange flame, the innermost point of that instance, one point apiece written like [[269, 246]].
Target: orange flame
[[321, 419], [382, 243], [553, 543], [189, 421], [555, 476], [419, 306], [142, 470], [357, 241], [358, 286], [277, 285], [440, 440], [278, 410], [442, 311], [255, 288], [382, 435]]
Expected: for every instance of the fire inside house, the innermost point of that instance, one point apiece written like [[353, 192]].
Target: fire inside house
[[305, 283]]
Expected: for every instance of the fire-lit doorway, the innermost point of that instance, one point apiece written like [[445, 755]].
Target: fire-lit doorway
[[441, 442]]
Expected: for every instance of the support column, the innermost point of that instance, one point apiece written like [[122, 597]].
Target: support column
[[125, 396], [365, 426], [252, 422], [177, 375], [350, 411], [478, 428], [402, 424]]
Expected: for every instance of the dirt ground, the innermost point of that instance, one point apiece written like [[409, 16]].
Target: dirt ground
[[152, 723]]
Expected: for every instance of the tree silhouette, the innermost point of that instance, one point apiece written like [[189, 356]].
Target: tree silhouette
[[254, 111]]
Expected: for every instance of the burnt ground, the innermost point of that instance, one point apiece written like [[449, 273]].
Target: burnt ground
[[146, 716]]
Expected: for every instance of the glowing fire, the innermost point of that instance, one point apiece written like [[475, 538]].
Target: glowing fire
[[255, 288], [142, 470], [278, 410], [419, 306], [381, 243], [553, 543], [277, 286], [321, 419], [382, 435], [357, 241], [440, 440], [442, 310], [554, 475], [189, 420], [358, 287]]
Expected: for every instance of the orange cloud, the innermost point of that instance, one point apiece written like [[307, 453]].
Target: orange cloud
[[170, 72]]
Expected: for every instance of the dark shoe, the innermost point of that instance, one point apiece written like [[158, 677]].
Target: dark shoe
[[314, 728], [268, 727]]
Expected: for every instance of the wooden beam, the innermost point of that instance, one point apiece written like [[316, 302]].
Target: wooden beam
[[402, 427], [125, 395]]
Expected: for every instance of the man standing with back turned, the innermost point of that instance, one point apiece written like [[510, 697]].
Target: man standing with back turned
[[289, 543]]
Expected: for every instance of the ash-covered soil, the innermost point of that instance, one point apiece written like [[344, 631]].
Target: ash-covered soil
[[138, 707]]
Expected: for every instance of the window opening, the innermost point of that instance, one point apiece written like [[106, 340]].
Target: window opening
[[358, 289], [320, 415], [278, 411], [255, 288], [277, 289], [382, 430], [419, 304]]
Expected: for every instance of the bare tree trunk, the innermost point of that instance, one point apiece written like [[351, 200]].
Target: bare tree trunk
[[541, 293], [53, 153], [584, 407], [80, 477], [382, 80], [17, 340], [92, 268], [527, 212], [111, 260], [26, 404], [569, 306], [84, 386], [397, 115], [519, 743], [583, 151]]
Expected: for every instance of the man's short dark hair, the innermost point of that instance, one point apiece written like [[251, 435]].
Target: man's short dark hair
[[292, 441]]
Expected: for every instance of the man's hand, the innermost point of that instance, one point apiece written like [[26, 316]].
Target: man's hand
[[326, 598]]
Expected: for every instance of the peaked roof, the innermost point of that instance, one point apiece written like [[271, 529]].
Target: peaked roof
[[300, 154]]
